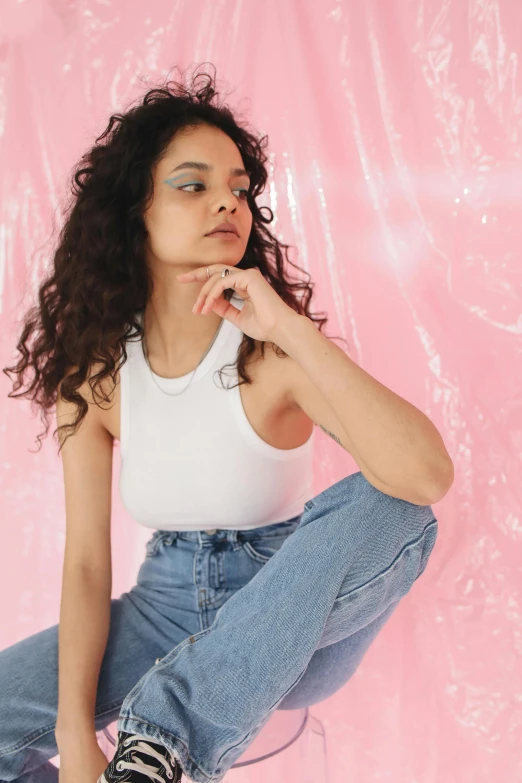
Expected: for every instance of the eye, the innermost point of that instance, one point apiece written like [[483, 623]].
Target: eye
[[191, 185], [243, 191]]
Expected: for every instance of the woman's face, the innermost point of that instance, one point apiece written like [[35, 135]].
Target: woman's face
[[189, 202]]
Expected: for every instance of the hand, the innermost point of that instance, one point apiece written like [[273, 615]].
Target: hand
[[82, 764], [263, 311]]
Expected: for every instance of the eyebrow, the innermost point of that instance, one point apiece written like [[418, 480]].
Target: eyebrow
[[192, 164]]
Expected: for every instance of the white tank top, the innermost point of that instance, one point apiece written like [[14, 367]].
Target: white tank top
[[194, 462]]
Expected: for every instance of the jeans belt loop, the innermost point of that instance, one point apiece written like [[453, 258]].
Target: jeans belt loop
[[232, 539]]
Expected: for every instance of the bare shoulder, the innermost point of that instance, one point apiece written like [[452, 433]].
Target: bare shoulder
[[99, 396], [304, 399], [279, 373]]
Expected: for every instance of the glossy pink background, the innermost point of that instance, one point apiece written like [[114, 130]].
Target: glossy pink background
[[395, 139]]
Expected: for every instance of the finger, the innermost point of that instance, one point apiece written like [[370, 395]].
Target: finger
[[209, 286], [197, 274], [203, 294], [210, 298], [215, 292]]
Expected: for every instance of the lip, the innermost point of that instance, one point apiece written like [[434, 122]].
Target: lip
[[228, 227], [227, 236]]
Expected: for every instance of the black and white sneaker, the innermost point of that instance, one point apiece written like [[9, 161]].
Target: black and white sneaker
[[140, 760]]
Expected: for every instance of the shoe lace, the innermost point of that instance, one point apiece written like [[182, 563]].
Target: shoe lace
[[139, 765]]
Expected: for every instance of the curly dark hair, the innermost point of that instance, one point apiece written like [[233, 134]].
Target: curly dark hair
[[99, 280]]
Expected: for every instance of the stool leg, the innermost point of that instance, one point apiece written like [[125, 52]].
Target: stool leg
[[355, 552]]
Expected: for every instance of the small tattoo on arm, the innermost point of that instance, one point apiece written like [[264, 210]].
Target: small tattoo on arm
[[331, 434]]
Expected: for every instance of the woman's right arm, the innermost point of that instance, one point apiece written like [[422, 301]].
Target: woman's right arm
[[87, 573], [83, 633]]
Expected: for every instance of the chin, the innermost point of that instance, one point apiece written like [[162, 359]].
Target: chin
[[222, 259]]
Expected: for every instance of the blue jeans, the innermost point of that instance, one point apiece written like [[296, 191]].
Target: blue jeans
[[223, 628]]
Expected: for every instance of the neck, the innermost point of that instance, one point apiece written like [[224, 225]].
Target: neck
[[171, 339]]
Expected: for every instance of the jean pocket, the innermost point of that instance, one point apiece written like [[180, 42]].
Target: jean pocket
[[263, 548]]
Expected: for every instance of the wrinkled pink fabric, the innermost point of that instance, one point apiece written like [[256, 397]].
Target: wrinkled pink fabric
[[395, 141]]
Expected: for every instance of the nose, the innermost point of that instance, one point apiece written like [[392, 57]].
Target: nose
[[227, 200]]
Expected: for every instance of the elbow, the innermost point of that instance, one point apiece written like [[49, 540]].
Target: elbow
[[441, 484]]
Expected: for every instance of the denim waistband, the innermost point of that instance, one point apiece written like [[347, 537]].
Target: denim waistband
[[231, 535]]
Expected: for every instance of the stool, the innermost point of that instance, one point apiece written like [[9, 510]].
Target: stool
[[296, 732]]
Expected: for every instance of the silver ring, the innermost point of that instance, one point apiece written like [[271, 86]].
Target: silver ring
[[225, 272], [208, 274]]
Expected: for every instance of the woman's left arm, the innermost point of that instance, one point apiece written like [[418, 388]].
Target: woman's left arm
[[390, 439]]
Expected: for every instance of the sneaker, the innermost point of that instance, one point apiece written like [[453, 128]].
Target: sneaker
[[140, 760]]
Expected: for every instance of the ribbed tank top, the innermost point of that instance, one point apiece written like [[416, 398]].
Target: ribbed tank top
[[194, 462]]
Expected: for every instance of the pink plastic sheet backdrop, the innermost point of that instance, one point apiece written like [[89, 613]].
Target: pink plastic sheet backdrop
[[395, 138]]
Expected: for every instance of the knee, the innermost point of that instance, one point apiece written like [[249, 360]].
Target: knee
[[355, 488], [365, 489], [362, 509]]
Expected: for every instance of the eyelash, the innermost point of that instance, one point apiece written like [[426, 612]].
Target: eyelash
[[192, 184]]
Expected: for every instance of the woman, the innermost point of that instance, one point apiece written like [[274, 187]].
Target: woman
[[251, 596]]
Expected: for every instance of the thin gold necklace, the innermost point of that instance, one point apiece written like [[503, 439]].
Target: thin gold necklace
[[177, 394]]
